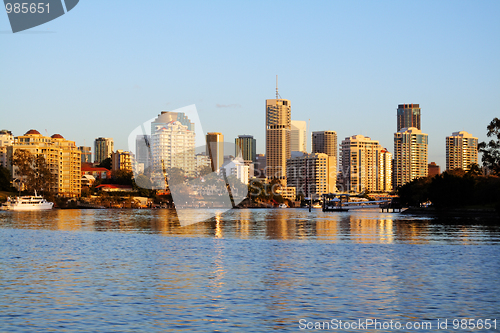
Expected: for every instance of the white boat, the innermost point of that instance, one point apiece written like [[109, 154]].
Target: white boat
[[283, 205], [31, 202]]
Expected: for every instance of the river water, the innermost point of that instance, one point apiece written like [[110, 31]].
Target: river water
[[245, 271]]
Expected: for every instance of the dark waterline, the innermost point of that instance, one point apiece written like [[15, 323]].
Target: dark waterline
[[244, 270]]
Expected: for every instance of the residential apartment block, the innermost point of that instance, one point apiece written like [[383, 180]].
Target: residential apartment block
[[122, 160], [312, 174], [410, 156], [103, 147], [461, 151], [365, 165], [6, 140], [172, 146], [61, 155]]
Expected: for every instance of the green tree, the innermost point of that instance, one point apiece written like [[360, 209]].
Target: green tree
[[205, 170], [33, 171], [123, 177], [415, 192], [4, 179], [143, 181], [491, 150], [175, 176], [106, 163]]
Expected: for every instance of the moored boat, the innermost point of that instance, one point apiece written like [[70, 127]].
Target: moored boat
[[30, 202]]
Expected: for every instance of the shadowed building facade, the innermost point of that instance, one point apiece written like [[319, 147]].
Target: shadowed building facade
[[408, 115]]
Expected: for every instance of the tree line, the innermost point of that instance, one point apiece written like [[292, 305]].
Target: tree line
[[458, 188]]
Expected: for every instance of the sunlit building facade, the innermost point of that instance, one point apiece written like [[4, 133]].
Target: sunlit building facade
[[62, 157], [461, 151], [215, 149], [365, 165], [410, 156], [312, 174], [278, 128], [298, 136], [6, 140]]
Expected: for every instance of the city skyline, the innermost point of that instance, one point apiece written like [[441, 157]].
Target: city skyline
[[118, 74]]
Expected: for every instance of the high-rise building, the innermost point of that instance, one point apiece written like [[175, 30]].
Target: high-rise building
[[298, 136], [86, 154], [215, 149], [278, 127], [366, 165], [166, 117], [172, 146], [461, 151], [408, 116], [325, 142], [122, 160], [246, 146], [312, 174], [410, 156], [6, 140], [385, 171], [61, 155], [103, 147], [143, 151]]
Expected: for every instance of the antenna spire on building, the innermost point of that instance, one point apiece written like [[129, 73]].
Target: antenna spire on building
[[277, 87]]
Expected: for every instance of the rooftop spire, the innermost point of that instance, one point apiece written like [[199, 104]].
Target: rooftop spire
[[277, 95]]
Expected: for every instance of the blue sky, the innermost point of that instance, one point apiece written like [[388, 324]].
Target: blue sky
[[107, 66]]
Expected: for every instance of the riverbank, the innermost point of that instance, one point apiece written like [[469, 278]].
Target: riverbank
[[454, 213]]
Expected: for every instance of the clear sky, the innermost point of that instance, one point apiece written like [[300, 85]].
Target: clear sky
[[107, 66]]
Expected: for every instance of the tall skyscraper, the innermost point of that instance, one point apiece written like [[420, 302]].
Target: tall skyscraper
[[366, 165], [215, 149], [86, 154], [278, 127], [143, 151], [408, 116], [246, 146], [103, 147], [410, 156], [298, 136], [461, 151]]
